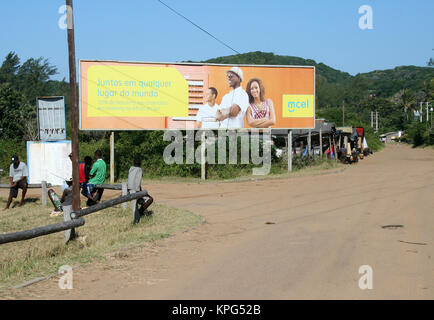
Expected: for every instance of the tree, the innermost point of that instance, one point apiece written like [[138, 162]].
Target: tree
[[430, 63], [13, 109], [9, 68], [405, 99], [33, 76]]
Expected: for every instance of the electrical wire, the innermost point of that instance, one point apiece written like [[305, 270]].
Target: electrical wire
[[179, 14]]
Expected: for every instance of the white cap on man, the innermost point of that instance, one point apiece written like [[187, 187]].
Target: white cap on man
[[237, 71]]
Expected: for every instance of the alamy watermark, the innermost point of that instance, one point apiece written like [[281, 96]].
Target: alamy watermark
[[65, 21], [65, 281], [366, 21], [250, 148], [366, 281]]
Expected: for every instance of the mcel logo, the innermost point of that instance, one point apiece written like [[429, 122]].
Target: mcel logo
[[298, 106]]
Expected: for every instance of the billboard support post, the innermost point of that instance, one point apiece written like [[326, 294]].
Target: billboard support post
[[309, 143], [290, 151], [320, 142], [202, 157], [74, 113], [112, 158], [44, 193], [335, 149]]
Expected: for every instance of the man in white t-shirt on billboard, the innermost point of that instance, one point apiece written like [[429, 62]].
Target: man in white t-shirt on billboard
[[206, 116], [234, 104]]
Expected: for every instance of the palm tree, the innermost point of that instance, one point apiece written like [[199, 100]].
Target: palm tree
[[405, 99]]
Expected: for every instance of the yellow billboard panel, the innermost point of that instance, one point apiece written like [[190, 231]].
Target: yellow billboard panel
[[132, 91], [298, 106]]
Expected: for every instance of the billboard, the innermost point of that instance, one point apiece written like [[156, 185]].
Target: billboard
[[51, 118], [144, 96]]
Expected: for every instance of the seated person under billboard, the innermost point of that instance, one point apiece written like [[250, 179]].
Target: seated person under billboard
[[260, 113], [235, 103], [97, 176], [18, 174], [135, 175]]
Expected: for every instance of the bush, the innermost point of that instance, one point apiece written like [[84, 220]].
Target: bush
[[419, 134]]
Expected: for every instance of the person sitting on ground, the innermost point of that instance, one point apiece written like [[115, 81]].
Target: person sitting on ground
[[84, 174], [18, 174], [66, 201], [135, 175], [97, 176]]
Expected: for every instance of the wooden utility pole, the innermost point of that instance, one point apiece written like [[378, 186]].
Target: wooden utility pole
[[343, 113], [376, 121], [309, 143], [202, 157], [320, 142], [290, 151], [74, 111], [421, 112], [112, 158]]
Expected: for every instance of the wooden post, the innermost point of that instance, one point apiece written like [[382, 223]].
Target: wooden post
[[133, 203], [112, 158], [376, 121], [124, 193], [336, 149], [44, 193], [290, 151], [320, 142], [40, 231], [330, 146], [73, 102], [202, 156], [309, 143]]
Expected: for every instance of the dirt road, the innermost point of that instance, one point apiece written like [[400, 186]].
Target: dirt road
[[302, 238]]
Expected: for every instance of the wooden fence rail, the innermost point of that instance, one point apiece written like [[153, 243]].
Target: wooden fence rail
[[109, 203], [31, 186], [40, 231], [76, 221]]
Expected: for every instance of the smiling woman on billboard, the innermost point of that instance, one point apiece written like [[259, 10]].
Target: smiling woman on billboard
[[260, 113]]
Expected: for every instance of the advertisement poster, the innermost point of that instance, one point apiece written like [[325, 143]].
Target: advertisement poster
[[149, 96]]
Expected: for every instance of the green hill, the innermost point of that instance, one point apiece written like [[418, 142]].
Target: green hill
[[264, 58], [386, 83]]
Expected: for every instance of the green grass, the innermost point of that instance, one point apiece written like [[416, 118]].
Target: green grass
[[104, 232], [244, 172]]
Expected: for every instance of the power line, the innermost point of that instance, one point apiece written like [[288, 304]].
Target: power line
[[179, 14]]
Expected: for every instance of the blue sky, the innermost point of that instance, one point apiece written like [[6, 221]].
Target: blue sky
[[145, 30]]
